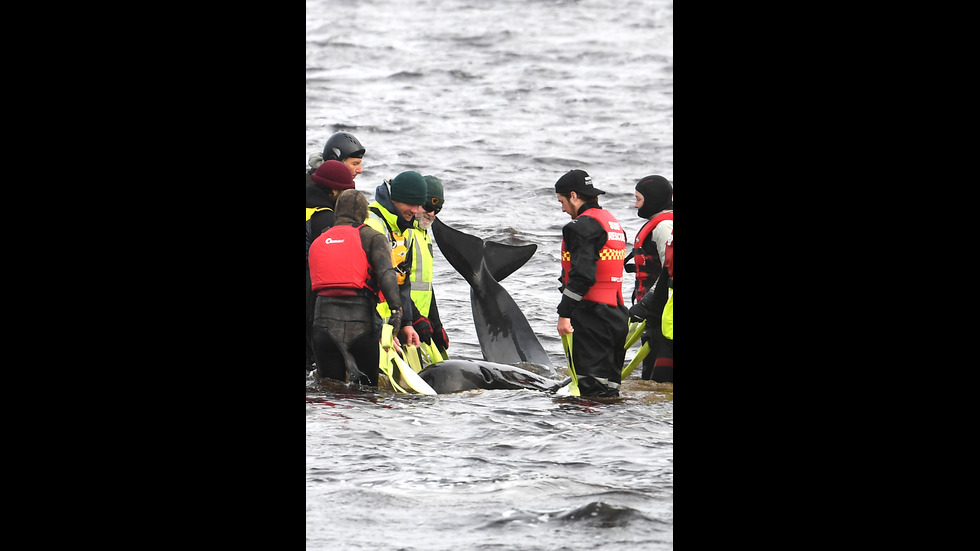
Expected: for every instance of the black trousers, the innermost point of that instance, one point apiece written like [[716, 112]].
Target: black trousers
[[657, 342], [663, 368], [597, 346], [349, 322], [310, 304]]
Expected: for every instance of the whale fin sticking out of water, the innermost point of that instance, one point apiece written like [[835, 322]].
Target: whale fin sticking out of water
[[504, 333]]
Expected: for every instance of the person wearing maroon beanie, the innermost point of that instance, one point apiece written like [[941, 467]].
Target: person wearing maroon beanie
[[327, 182]]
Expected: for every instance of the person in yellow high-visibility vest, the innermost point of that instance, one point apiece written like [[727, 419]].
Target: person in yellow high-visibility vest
[[396, 202], [428, 324]]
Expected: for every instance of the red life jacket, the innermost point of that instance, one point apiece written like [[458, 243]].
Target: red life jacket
[[338, 265], [647, 266], [669, 257], [608, 287]]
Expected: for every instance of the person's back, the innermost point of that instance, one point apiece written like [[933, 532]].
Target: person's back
[[349, 264], [327, 182]]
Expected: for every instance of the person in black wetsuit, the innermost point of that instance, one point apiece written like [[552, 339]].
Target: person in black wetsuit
[[328, 181], [349, 264], [655, 204]]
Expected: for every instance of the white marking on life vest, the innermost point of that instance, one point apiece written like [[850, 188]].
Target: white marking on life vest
[[331, 240]]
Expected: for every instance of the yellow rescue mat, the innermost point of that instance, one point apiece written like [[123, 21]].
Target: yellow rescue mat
[[408, 376]]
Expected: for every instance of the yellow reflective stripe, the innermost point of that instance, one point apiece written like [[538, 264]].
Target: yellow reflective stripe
[[422, 273], [419, 262], [612, 254], [311, 210]]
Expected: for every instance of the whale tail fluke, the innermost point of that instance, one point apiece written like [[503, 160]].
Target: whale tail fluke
[[504, 333]]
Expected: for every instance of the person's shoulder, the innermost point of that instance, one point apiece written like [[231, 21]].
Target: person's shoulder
[[374, 225], [663, 229], [582, 226]]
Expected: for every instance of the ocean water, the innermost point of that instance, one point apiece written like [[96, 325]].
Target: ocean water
[[497, 99]]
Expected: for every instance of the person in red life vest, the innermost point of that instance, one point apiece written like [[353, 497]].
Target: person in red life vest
[[654, 203], [593, 247], [657, 307], [326, 183], [349, 264]]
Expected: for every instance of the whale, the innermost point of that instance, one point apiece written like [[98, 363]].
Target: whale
[[513, 357], [451, 376]]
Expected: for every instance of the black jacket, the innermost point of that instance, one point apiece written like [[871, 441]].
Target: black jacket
[[584, 237], [318, 196]]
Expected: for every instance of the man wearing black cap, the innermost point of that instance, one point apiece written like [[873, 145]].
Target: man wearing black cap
[[593, 247]]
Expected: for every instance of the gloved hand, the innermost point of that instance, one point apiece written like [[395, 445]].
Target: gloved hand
[[439, 337], [395, 320], [638, 312], [423, 327]]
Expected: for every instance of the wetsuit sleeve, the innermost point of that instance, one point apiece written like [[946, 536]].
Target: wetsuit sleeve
[[584, 238], [409, 313], [379, 255], [655, 299], [309, 241], [434, 312]]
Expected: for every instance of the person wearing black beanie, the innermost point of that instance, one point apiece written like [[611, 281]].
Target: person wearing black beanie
[[654, 202]]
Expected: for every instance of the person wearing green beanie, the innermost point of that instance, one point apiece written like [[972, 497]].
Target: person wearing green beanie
[[427, 324], [392, 214], [409, 187]]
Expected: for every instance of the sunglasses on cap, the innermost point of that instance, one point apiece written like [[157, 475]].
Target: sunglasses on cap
[[429, 207]]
